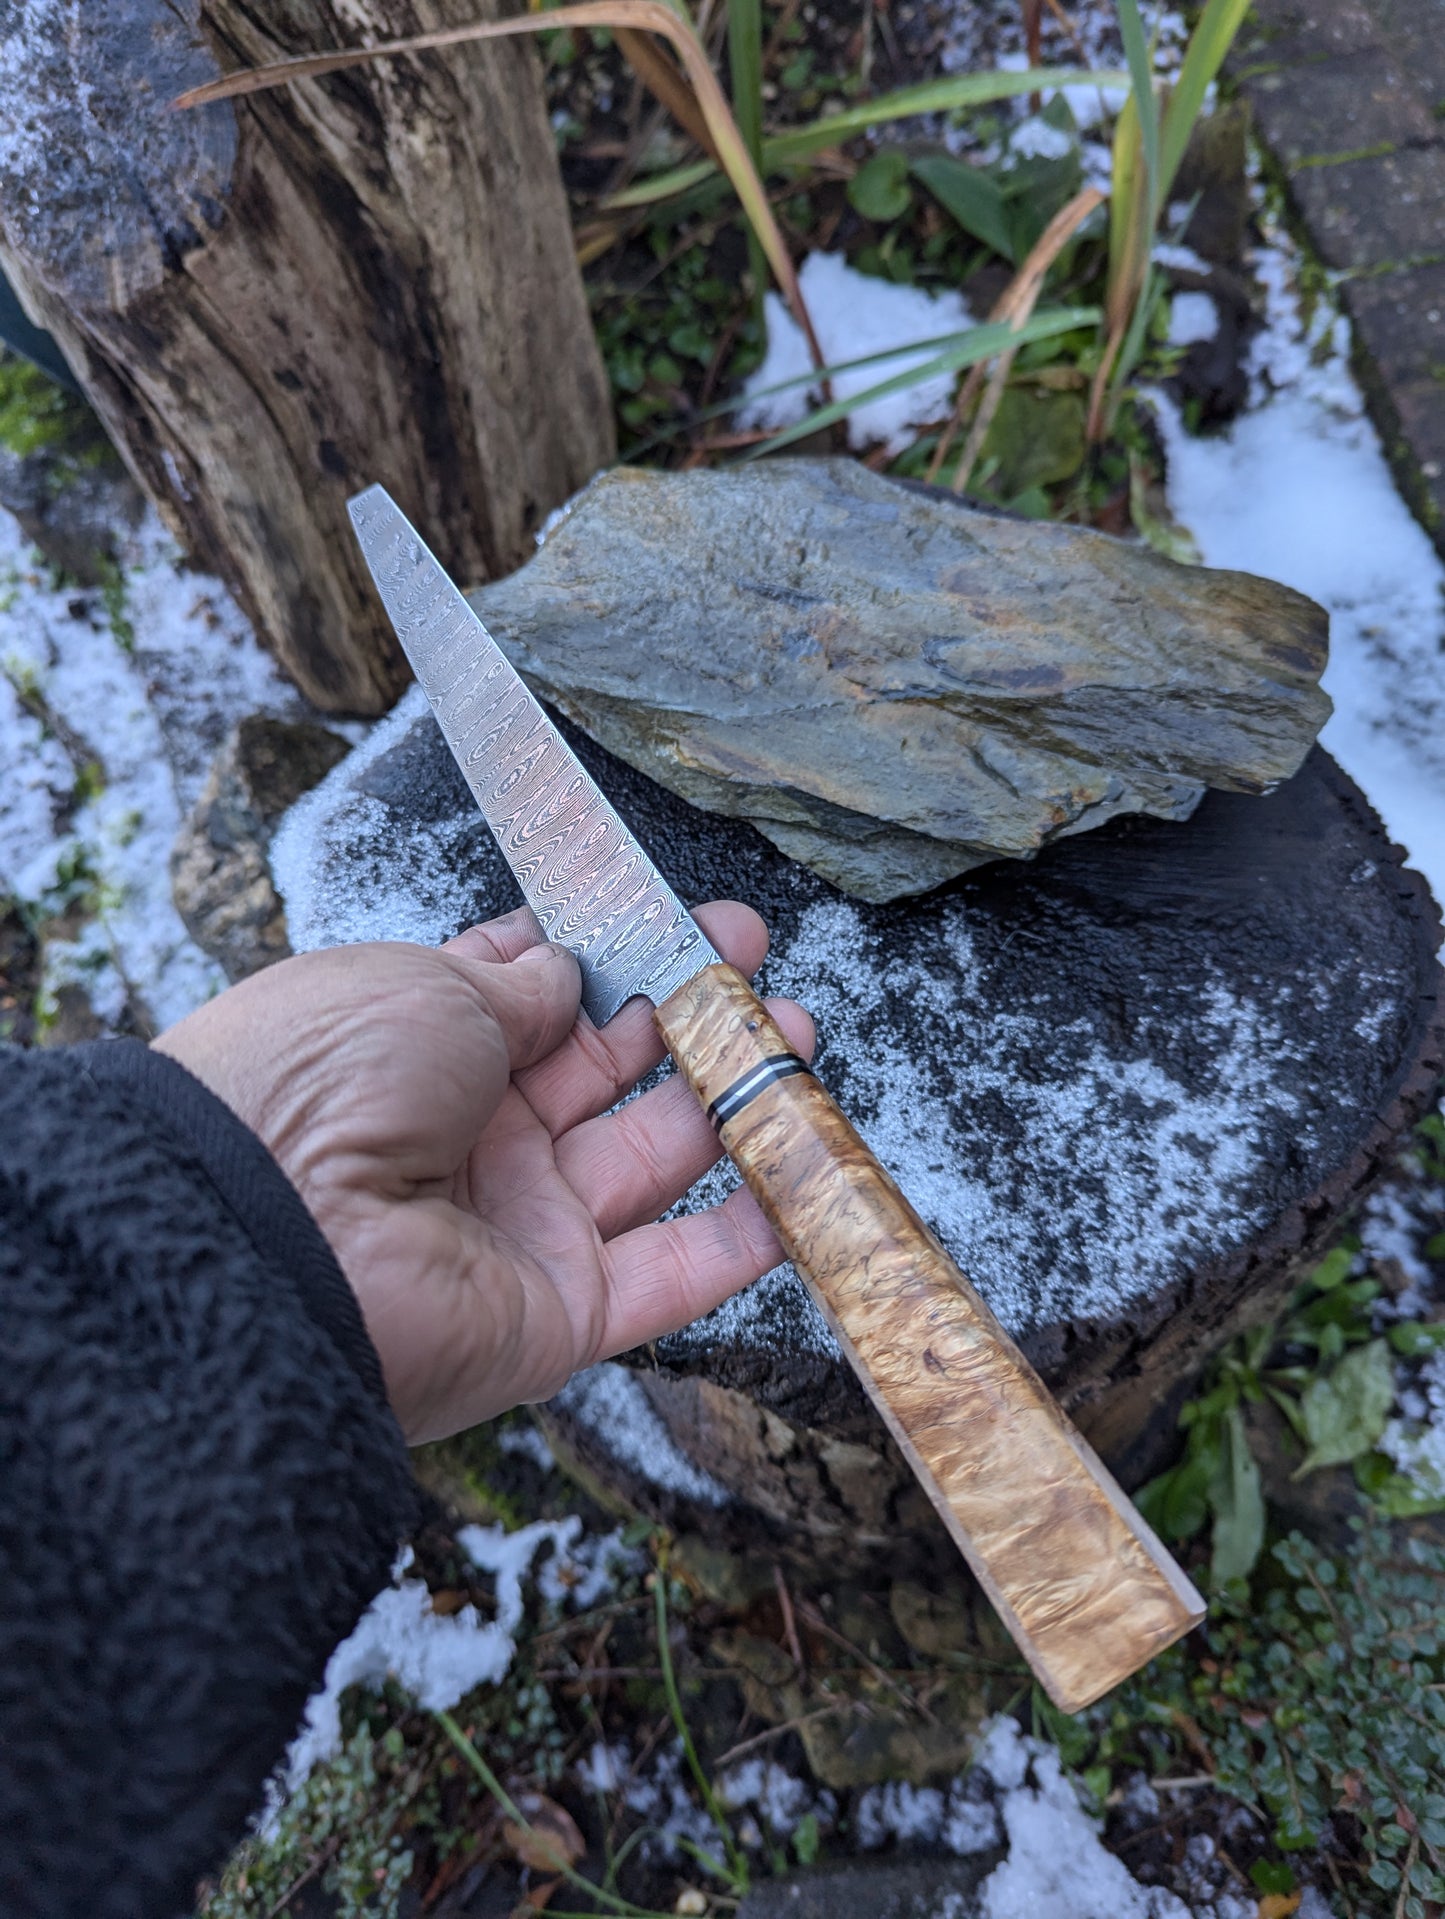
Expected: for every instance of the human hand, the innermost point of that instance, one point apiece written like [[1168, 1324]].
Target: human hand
[[444, 1115]]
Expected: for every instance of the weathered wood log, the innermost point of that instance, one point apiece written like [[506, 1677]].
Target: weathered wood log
[[272, 302], [1133, 1086]]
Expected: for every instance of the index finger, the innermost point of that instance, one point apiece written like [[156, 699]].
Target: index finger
[[595, 1065]]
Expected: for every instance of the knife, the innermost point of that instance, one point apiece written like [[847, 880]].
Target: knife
[[1082, 1584]]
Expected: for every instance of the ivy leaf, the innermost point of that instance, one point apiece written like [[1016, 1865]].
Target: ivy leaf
[[1238, 1502], [1345, 1410], [1332, 1269], [973, 199], [879, 190]]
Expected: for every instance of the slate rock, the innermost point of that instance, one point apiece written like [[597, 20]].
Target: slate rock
[[893, 687], [220, 879]]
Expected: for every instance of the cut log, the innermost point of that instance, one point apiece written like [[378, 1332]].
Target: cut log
[[275, 301], [1134, 1086]]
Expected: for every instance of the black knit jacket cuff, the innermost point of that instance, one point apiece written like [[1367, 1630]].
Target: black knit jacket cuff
[[250, 1184]]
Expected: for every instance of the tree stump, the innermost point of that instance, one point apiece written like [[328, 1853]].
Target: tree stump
[[1133, 1085], [273, 302]]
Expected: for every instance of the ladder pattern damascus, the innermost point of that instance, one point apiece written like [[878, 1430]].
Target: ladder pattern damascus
[[590, 884]]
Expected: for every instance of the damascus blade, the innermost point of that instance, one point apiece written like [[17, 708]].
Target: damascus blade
[[584, 875]]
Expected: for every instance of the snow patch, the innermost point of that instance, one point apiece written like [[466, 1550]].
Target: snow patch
[[1416, 1440], [1193, 317], [1056, 1866], [1298, 490], [109, 738], [854, 314], [610, 1402]]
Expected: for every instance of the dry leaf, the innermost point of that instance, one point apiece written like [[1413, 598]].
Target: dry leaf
[[550, 1840], [1278, 1905]]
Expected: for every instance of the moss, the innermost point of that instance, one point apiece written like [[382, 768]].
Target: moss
[[38, 416]]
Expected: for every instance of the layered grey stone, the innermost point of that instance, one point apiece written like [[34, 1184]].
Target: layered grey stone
[[895, 688]]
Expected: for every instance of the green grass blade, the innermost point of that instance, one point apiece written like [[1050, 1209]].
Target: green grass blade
[[938, 343], [745, 66], [931, 96], [1141, 73], [979, 343], [1208, 45]]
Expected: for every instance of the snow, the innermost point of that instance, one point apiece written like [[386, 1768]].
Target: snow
[[1193, 317], [781, 1799], [610, 1402], [1036, 139], [147, 717], [854, 314], [413, 892], [439, 1658], [1298, 490], [1415, 1440], [526, 1442], [1056, 1866]]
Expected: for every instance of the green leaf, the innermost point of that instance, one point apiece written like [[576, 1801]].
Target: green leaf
[[1176, 1504], [1204, 56], [745, 69], [805, 1839], [879, 189], [1413, 1337], [1238, 1502], [1273, 1875], [971, 196], [1334, 1267], [1345, 1410], [1141, 73], [1037, 437], [930, 96]]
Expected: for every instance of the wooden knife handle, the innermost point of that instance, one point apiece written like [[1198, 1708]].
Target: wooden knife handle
[[1081, 1582]]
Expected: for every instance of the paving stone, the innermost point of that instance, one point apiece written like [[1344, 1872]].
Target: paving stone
[[1419, 407], [1297, 33], [1399, 319], [901, 1889], [1415, 33], [1367, 213], [1341, 106], [1330, 76]]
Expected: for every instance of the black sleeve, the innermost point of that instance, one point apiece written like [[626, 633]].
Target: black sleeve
[[201, 1483]]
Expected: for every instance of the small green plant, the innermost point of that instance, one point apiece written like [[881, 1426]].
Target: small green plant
[[1150, 139], [1322, 1707], [1331, 1375], [340, 1829]]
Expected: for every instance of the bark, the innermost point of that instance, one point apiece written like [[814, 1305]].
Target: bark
[[273, 302]]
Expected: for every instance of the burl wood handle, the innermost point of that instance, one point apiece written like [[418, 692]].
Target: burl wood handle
[[1081, 1582]]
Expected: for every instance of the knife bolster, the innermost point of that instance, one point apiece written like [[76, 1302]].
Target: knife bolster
[[1081, 1582]]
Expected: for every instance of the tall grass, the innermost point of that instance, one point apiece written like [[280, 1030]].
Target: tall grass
[[1150, 138]]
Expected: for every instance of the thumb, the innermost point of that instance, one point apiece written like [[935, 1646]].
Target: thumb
[[533, 998]]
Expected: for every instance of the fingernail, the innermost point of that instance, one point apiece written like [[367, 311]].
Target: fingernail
[[536, 955]]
